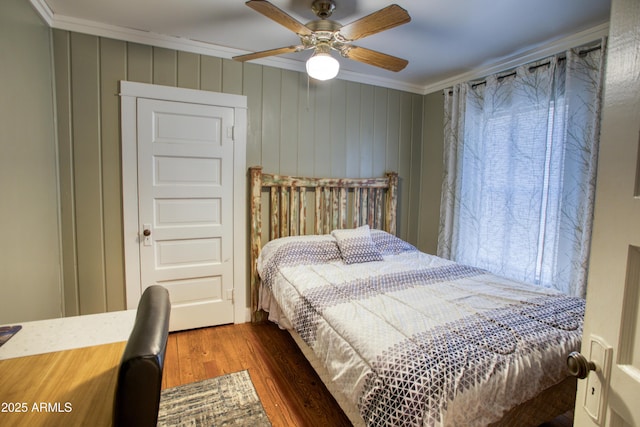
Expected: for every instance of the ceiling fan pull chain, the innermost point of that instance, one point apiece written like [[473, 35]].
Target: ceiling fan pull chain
[[308, 83]]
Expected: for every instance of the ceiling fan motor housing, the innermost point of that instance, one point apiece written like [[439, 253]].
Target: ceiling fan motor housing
[[323, 8], [325, 32]]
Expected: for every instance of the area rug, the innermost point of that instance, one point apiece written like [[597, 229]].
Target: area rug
[[228, 400]]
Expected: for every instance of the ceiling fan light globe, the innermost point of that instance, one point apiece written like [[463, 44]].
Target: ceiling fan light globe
[[322, 66]]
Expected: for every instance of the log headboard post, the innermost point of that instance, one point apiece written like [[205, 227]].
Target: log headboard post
[[391, 203], [255, 212], [371, 201]]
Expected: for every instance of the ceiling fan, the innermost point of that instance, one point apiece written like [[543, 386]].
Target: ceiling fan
[[324, 35]]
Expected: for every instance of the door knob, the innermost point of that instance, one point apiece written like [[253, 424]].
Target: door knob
[[146, 232], [579, 366]]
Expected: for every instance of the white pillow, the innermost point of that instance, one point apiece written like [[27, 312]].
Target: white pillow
[[388, 244], [356, 245]]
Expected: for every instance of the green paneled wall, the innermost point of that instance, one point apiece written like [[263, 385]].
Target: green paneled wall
[[30, 272], [335, 128]]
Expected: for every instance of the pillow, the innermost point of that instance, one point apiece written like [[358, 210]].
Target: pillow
[[296, 250], [293, 251], [356, 245], [388, 244]]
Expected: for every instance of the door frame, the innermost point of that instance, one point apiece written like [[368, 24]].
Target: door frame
[[129, 94]]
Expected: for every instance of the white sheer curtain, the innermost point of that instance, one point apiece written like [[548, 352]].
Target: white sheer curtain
[[520, 164]]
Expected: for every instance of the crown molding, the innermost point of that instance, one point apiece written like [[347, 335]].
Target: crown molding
[[43, 9], [523, 57]]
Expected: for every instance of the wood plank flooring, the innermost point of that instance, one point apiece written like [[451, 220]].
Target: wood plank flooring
[[291, 392]]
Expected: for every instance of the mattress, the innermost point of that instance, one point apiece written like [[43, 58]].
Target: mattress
[[413, 339]]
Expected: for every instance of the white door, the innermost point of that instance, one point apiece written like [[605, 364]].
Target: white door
[[185, 196], [611, 395]]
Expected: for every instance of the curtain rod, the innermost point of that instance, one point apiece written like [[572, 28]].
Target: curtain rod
[[532, 68]]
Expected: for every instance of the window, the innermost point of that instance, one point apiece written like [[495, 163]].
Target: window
[[520, 154]]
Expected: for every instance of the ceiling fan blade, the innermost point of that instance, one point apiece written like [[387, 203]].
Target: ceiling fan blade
[[375, 58], [270, 52], [278, 15], [384, 19]]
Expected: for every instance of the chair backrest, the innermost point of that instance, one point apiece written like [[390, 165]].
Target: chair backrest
[[137, 396]]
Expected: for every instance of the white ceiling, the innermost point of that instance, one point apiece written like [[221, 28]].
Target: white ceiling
[[445, 40]]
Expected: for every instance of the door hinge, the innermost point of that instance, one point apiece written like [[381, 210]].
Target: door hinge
[[230, 295], [231, 132]]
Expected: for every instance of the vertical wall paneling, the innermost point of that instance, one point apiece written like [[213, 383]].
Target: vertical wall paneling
[[335, 128], [113, 64], [406, 143], [252, 89], [232, 76], [393, 131], [380, 114], [139, 63], [211, 73], [413, 203], [271, 90], [87, 165], [306, 125], [188, 70], [30, 270], [289, 122], [338, 128], [431, 170], [165, 67], [321, 134], [367, 111], [352, 140], [62, 64]]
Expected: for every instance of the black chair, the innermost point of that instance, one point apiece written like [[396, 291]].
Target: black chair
[[137, 396]]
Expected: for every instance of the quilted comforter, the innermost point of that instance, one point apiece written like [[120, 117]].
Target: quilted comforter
[[414, 339]]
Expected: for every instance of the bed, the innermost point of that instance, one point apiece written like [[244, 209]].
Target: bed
[[401, 337]]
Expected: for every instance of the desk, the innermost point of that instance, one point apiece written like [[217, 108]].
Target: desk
[[65, 388], [66, 333], [63, 371]]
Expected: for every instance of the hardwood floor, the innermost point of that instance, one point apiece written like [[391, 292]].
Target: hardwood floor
[[564, 420], [291, 392]]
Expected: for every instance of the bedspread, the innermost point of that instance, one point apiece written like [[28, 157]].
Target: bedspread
[[420, 340]]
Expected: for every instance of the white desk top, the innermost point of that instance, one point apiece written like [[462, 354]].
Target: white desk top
[[65, 333]]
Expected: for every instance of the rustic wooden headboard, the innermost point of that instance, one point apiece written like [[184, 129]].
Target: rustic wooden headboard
[[337, 203]]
